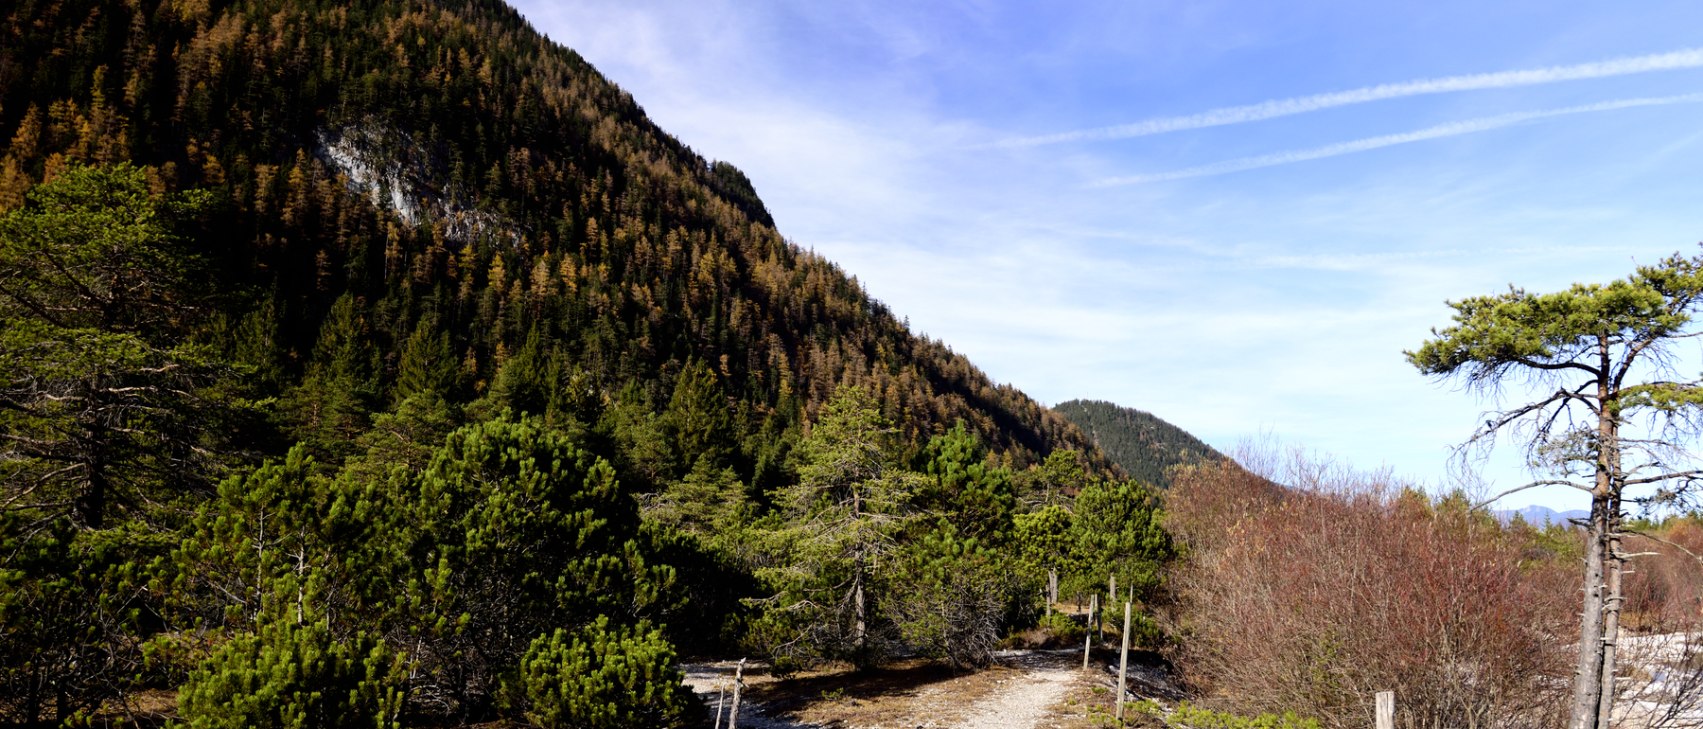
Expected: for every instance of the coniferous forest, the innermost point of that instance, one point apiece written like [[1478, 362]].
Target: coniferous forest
[[382, 363], [1141, 443]]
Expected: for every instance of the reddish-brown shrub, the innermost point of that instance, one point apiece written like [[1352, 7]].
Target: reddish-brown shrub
[[1314, 600], [1664, 584]]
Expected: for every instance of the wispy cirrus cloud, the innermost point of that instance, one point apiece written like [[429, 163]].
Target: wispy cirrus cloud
[[1451, 129], [1675, 60]]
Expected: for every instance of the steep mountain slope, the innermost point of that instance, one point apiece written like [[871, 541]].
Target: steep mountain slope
[[381, 364], [1141, 443], [457, 179]]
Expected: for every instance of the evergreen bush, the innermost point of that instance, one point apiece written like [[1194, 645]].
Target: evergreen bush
[[292, 675], [603, 676]]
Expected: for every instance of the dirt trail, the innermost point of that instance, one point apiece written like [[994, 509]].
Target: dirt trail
[[1027, 701], [712, 681], [1025, 691]]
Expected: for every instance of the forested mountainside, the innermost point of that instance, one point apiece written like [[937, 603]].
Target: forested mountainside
[[380, 363], [388, 171], [1141, 443]]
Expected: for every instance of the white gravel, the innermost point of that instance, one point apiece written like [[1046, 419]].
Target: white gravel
[[1025, 702], [709, 679]]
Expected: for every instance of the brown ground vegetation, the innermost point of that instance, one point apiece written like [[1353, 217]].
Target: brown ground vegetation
[[1313, 598]]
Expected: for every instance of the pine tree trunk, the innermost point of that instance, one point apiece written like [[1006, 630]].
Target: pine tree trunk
[[1614, 564], [860, 628], [91, 502], [860, 618], [1587, 675]]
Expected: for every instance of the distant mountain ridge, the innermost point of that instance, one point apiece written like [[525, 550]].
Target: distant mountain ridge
[[1144, 445], [1541, 516]]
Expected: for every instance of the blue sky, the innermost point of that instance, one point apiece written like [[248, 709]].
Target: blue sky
[[1235, 215]]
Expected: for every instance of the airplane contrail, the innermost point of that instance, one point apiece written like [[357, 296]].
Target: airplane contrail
[[1450, 129], [1689, 58]]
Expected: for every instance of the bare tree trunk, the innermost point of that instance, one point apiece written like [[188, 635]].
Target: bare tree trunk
[[1587, 675], [1614, 563], [738, 683]]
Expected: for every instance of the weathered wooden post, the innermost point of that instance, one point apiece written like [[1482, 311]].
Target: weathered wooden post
[[1088, 636], [738, 683], [720, 691], [1386, 710], [1052, 586], [1123, 664], [1111, 593]]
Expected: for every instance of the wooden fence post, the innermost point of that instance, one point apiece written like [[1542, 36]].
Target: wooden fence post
[[1087, 635], [738, 683], [1386, 710], [1099, 620], [1123, 664]]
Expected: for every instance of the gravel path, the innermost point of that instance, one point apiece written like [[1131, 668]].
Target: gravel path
[[710, 680], [1025, 695], [1027, 701]]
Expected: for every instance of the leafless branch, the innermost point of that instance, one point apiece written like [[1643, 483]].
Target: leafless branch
[[1687, 475], [1532, 485], [1655, 538]]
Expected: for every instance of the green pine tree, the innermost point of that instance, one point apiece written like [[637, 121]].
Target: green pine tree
[[844, 517], [604, 676], [101, 403], [293, 672]]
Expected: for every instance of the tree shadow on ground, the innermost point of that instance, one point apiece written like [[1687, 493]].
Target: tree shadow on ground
[[798, 693]]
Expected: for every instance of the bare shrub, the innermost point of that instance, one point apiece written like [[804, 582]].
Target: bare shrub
[[1312, 600], [1661, 684], [1664, 586]]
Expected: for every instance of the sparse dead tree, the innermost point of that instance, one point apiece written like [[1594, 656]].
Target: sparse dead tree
[[1609, 416]]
